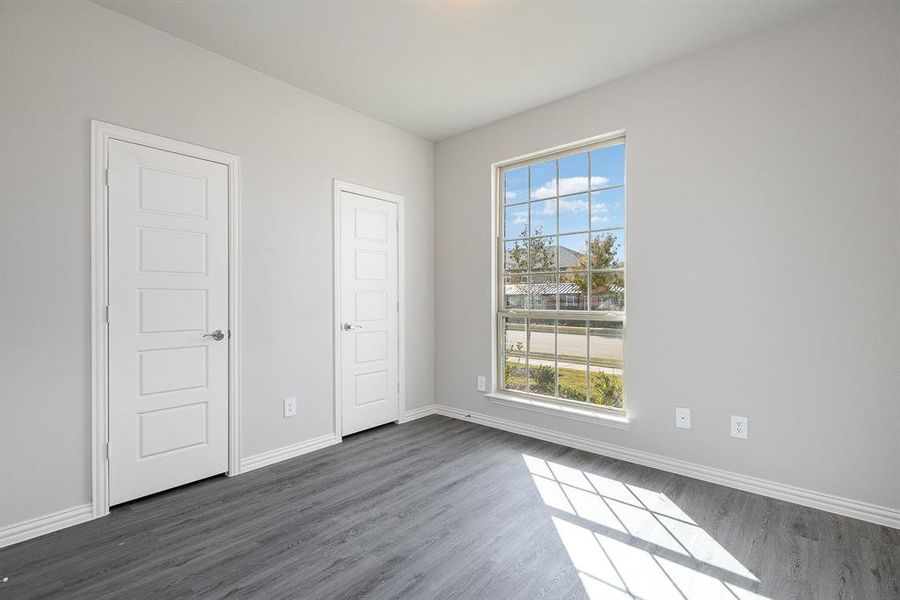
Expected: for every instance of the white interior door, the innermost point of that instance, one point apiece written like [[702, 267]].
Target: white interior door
[[168, 296], [369, 316]]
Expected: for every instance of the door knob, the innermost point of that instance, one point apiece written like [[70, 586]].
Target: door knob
[[216, 335], [349, 326]]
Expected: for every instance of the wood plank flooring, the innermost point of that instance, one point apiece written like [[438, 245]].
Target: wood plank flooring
[[441, 508]]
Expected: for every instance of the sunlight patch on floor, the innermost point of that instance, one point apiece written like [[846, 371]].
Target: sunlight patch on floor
[[632, 543]]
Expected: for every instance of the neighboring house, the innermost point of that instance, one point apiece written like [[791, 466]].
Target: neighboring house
[[543, 295]]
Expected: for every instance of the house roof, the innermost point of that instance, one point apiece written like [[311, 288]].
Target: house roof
[[542, 289]]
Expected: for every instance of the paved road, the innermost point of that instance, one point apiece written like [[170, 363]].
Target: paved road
[[570, 344]]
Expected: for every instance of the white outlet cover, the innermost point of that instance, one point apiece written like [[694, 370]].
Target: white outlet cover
[[481, 383], [739, 427], [290, 406], [682, 418]]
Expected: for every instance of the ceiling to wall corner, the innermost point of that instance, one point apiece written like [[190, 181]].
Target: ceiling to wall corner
[[438, 68]]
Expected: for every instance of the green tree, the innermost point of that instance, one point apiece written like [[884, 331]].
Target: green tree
[[607, 287], [543, 380], [539, 250], [606, 389]]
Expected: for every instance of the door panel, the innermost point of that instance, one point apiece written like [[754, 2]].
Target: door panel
[[168, 287], [369, 315]]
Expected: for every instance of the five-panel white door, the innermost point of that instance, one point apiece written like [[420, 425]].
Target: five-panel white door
[[168, 298], [369, 310]]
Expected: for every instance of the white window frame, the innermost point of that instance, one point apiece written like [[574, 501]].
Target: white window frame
[[616, 417]]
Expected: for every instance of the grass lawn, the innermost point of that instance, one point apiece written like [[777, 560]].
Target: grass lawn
[[572, 384]]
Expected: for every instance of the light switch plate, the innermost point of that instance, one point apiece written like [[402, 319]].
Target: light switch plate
[[683, 418], [290, 406], [481, 383]]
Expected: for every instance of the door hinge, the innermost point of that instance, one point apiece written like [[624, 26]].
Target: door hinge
[[398, 387], [398, 307], [108, 451], [107, 177], [108, 310]]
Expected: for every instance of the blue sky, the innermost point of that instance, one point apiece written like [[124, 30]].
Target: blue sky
[[583, 203], [606, 165]]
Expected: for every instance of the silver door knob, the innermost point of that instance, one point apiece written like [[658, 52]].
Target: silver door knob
[[216, 335], [350, 326]]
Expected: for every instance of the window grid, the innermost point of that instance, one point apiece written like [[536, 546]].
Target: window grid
[[589, 316]]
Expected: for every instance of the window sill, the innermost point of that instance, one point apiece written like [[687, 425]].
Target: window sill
[[569, 412]]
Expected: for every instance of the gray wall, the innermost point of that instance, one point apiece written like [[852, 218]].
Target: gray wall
[[62, 64], [763, 257]]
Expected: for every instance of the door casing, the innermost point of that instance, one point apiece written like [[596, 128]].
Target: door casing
[[343, 186], [101, 134]]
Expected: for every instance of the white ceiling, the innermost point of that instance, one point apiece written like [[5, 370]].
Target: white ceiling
[[440, 67]]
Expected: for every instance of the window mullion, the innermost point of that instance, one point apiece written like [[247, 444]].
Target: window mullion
[[587, 331], [528, 355]]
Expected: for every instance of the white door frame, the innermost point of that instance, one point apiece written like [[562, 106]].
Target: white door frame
[[343, 186], [101, 134]]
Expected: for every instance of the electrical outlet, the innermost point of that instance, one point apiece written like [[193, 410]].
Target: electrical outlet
[[290, 406], [683, 418], [739, 427], [481, 383]]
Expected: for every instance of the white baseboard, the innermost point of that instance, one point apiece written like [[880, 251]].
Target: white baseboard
[[279, 454], [417, 413], [32, 528], [881, 515]]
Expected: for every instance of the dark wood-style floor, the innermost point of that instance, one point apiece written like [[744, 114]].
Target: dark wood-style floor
[[441, 508]]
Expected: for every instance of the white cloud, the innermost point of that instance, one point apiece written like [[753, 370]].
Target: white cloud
[[548, 189], [598, 213], [571, 205], [571, 185], [568, 185], [517, 217]]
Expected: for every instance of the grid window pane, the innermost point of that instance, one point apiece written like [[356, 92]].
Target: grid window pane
[[608, 249], [543, 217], [573, 174], [543, 290], [608, 166], [515, 290], [543, 180], [573, 252], [515, 221], [572, 340], [542, 377], [608, 209], [606, 344], [573, 213], [572, 381], [542, 337], [515, 256], [542, 253], [607, 387], [515, 186], [573, 291], [514, 336], [515, 375], [608, 291]]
